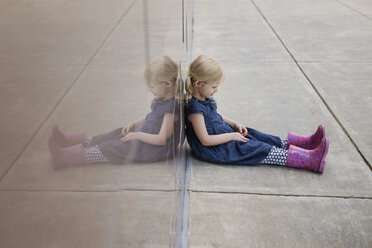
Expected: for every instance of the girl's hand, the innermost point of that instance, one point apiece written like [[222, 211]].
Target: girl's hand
[[238, 136], [241, 129], [127, 129], [129, 136]]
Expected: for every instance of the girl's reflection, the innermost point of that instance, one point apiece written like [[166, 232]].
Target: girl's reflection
[[151, 138]]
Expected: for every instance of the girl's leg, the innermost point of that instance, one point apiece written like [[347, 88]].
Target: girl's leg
[[276, 156], [307, 142], [67, 140], [267, 138], [297, 157], [94, 155], [284, 143], [308, 159], [102, 138], [74, 155]]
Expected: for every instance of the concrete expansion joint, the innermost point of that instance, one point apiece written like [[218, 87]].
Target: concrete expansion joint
[[108, 36], [315, 89], [346, 197], [44, 65], [337, 61], [34, 22], [335, 117], [88, 191], [360, 13]]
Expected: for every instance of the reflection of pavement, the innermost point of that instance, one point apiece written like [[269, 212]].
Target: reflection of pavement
[[79, 63]]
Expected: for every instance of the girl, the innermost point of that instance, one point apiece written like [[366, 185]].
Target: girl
[[218, 139], [151, 138]]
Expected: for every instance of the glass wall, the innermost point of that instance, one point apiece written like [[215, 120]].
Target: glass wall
[[92, 123]]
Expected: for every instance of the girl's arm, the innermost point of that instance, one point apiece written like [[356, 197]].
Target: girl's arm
[[236, 125], [136, 123], [159, 139], [132, 126], [197, 121]]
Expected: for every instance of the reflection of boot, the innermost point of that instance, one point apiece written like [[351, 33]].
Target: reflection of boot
[[61, 157], [307, 142], [313, 160], [64, 140]]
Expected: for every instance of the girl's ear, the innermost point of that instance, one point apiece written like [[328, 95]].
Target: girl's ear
[[198, 83], [168, 83]]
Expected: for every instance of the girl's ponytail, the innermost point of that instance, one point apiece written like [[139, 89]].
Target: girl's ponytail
[[178, 89], [189, 88]]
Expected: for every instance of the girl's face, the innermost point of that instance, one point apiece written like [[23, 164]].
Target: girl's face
[[207, 90], [161, 89]]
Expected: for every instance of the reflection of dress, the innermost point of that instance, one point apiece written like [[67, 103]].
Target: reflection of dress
[[232, 152], [138, 151]]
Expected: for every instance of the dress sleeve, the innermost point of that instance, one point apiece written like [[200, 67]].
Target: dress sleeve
[[193, 107]]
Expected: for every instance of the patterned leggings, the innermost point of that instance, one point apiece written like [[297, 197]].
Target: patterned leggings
[[277, 155], [93, 154]]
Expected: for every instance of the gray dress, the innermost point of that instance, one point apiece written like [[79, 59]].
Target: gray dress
[[137, 151]]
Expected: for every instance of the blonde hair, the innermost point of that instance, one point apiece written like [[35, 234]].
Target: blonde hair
[[204, 69], [160, 70], [163, 69]]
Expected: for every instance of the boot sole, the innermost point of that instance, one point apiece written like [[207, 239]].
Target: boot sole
[[322, 163]]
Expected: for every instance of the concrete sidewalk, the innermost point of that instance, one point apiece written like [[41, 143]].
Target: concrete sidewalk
[[289, 66]]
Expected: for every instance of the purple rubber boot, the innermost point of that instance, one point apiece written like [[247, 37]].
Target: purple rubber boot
[[65, 140], [307, 142], [66, 156], [313, 160]]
